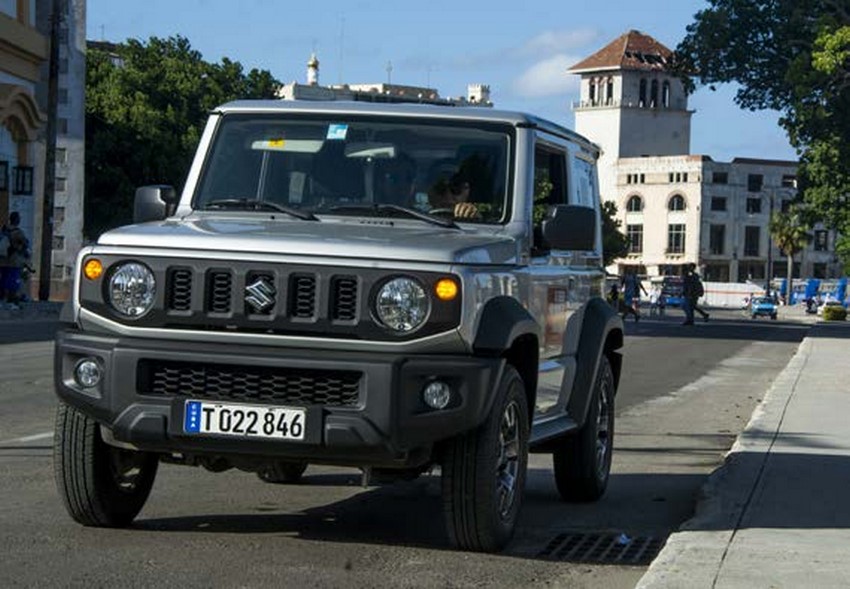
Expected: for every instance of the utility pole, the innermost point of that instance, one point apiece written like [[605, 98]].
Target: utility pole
[[46, 265]]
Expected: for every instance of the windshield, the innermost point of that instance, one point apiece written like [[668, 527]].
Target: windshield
[[317, 165]]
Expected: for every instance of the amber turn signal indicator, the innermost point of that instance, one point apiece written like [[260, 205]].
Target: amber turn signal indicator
[[93, 269], [446, 289]]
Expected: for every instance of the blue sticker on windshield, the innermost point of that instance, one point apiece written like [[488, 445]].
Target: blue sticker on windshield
[[337, 131]]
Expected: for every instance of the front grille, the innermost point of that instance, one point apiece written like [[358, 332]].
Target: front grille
[[219, 291], [297, 299], [250, 384], [179, 289]]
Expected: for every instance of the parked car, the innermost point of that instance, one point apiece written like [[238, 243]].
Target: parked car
[[763, 307], [832, 303]]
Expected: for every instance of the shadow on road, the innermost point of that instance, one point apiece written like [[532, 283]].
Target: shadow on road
[[410, 513], [727, 326]]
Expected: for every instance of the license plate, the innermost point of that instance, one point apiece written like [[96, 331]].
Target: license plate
[[246, 421]]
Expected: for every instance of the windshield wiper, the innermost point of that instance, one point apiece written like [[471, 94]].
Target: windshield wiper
[[252, 204], [410, 212]]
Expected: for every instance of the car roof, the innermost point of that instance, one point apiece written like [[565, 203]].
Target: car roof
[[350, 107]]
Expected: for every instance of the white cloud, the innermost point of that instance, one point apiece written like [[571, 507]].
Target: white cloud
[[548, 78], [549, 42]]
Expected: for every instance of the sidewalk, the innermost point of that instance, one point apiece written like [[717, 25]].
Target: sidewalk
[[777, 513], [35, 310]]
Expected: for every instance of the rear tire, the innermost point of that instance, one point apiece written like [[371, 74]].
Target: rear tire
[[281, 473], [100, 485], [582, 462], [483, 472]]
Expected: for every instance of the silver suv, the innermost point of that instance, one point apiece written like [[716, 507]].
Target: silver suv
[[391, 287]]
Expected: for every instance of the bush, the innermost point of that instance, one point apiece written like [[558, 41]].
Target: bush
[[834, 313]]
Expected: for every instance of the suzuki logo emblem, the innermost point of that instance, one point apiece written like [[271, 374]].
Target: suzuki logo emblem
[[260, 294]]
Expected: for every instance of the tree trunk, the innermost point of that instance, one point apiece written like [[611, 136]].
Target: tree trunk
[[789, 291]]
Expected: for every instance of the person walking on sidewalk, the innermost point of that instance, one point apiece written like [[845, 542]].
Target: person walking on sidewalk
[[13, 258], [631, 295], [692, 290]]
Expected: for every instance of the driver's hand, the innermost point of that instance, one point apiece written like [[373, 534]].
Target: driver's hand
[[465, 210]]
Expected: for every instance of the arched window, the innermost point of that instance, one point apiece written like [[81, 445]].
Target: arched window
[[642, 99], [592, 95], [609, 91], [653, 94], [665, 94], [634, 204], [676, 203]]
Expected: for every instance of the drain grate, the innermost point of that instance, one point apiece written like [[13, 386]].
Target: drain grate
[[602, 549]]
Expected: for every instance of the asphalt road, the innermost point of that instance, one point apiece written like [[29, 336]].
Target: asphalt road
[[685, 394]]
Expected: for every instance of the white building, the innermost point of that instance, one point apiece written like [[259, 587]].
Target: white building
[[679, 208], [477, 94]]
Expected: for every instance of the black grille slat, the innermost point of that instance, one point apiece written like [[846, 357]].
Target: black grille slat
[[344, 298], [302, 296], [272, 385], [219, 292], [179, 290]]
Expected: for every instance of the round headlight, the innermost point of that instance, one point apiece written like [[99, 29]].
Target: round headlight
[[402, 305], [132, 289]]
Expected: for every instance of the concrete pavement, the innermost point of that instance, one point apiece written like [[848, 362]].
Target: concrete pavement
[[777, 513]]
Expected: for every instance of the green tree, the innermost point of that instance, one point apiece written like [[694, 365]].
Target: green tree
[[144, 116], [790, 56], [790, 232], [614, 243]]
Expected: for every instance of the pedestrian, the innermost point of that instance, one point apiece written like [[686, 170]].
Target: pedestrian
[[15, 257], [614, 297], [692, 290], [631, 295]]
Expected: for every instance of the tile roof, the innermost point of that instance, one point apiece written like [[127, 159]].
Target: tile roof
[[630, 51]]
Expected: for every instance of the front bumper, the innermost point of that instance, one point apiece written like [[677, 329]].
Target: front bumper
[[385, 423]]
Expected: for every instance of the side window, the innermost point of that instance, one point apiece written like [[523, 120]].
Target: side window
[[584, 182], [550, 186]]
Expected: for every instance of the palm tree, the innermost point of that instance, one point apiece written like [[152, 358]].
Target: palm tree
[[790, 232]]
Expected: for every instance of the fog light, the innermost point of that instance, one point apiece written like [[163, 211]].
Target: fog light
[[437, 395], [87, 373]]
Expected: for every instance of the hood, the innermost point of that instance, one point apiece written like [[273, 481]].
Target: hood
[[348, 238]]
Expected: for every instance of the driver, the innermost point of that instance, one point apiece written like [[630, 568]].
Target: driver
[[451, 193]]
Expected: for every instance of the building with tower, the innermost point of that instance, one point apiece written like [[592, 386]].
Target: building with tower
[[676, 207]]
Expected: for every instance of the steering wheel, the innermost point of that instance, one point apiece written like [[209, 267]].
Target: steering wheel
[[442, 211]]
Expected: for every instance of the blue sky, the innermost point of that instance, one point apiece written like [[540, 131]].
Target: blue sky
[[521, 49]]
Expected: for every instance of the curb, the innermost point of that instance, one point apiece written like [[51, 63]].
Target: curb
[[694, 555]]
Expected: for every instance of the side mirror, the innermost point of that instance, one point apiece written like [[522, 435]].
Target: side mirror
[[154, 203], [571, 227]]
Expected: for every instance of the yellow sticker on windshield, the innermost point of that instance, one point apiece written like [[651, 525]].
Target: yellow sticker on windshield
[[275, 142]]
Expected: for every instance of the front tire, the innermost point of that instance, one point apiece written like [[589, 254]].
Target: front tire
[[582, 463], [100, 485], [483, 472]]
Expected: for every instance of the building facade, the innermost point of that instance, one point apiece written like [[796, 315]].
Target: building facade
[[24, 68], [677, 208], [23, 51]]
